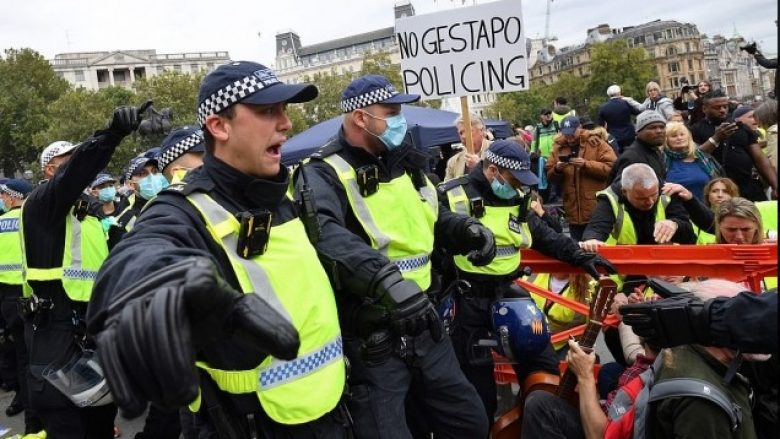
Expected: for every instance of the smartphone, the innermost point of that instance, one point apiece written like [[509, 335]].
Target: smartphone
[[564, 158]]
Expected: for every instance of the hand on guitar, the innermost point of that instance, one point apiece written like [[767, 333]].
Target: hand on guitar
[[581, 362]]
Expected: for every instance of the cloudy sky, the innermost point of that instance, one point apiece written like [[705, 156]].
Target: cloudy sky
[[246, 28]]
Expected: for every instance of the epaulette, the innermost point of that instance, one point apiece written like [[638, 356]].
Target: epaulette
[[448, 185], [333, 146]]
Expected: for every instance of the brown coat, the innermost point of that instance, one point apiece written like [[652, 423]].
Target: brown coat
[[579, 185]]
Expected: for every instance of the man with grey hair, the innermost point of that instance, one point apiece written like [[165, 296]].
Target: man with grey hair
[[615, 116], [632, 211], [463, 162]]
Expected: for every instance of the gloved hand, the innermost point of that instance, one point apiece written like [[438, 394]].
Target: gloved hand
[[669, 322], [408, 309], [750, 48], [377, 348], [125, 119], [481, 240], [591, 262], [147, 346]]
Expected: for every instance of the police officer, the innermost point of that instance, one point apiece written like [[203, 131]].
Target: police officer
[[496, 194], [13, 192], [63, 248], [181, 152], [378, 216], [146, 181], [219, 272]]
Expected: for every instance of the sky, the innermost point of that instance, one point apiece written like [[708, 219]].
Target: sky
[[246, 28]]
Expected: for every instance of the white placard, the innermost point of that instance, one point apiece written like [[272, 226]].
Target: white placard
[[464, 51]]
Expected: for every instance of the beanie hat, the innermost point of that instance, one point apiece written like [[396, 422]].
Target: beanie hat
[[648, 117]]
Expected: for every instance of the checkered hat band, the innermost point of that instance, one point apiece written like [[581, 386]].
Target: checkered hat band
[[177, 150], [506, 163], [228, 95], [366, 99], [11, 192]]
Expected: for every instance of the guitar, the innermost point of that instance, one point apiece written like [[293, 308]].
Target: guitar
[[602, 301]]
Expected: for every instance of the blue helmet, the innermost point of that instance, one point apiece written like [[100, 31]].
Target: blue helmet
[[520, 327]]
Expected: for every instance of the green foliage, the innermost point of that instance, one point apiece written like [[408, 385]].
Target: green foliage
[[27, 85], [379, 64], [328, 103], [175, 90], [611, 62], [297, 118]]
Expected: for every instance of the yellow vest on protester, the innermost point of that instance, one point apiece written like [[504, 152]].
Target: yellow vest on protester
[[702, 237], [10, 248], [499, 219], [768, 211], [559, 317], [398, 219], [84, 251], [624, 232], [310, 386]]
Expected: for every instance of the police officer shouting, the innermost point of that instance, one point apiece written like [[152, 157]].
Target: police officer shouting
[[496, 194], [219, 272], [13, 192], [378, 219], [63, 249]]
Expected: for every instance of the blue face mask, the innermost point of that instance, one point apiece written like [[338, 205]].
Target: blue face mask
[[151, 185], [503, 189], [394, 134], [107, 194]]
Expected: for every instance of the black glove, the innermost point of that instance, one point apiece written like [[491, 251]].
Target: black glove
[[591, 262], [750, 48], [481, 240], [377, 348], [670, 322], [147, 347], [125, 119], [408, 309]]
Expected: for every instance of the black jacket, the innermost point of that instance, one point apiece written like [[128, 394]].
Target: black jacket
[[171, 229], [640, 152], [49, 204], [545, 239], [616, 115], [343, 246], [603, 220]]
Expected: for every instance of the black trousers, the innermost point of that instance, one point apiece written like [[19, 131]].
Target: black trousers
[[546, 416], [472, 322], [448, 404], [15, 328], [51, 343]]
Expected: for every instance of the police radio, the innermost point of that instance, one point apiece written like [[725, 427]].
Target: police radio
[[306, 209], [253, 233]]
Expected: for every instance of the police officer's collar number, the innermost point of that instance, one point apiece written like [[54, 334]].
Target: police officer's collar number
[[515, 224]]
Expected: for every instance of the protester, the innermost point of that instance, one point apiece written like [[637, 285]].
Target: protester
[[615, 116], [685, 163], [580, 164], [766, 117], [464, 161], [561, 109], [656, 101], [694, 101], [651, 135]]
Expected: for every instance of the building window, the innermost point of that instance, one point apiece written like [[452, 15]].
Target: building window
[[651, 53], [687, 46], [699, 62], [177, 67], [639, 40], [119, 76], [674, 82], [669, 34], [690, 64], [671, 51], [80, 75], [673, 67], [194, 68], [210, 66], [658, 36]]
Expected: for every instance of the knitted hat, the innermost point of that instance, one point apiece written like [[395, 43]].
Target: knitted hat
[[648, 117]]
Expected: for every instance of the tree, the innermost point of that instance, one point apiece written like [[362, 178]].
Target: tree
[[28, 85], [94, 109], [328, 103], [520, 107], [613, 62], [297, 118], [174, 90], [379, 63]]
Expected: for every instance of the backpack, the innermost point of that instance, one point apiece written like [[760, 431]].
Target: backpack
[[629, 414]]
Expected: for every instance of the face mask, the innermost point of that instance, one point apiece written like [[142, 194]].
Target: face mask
[[503, 189], [178, 175], [107, 194], [151, 185], [395, 132]]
